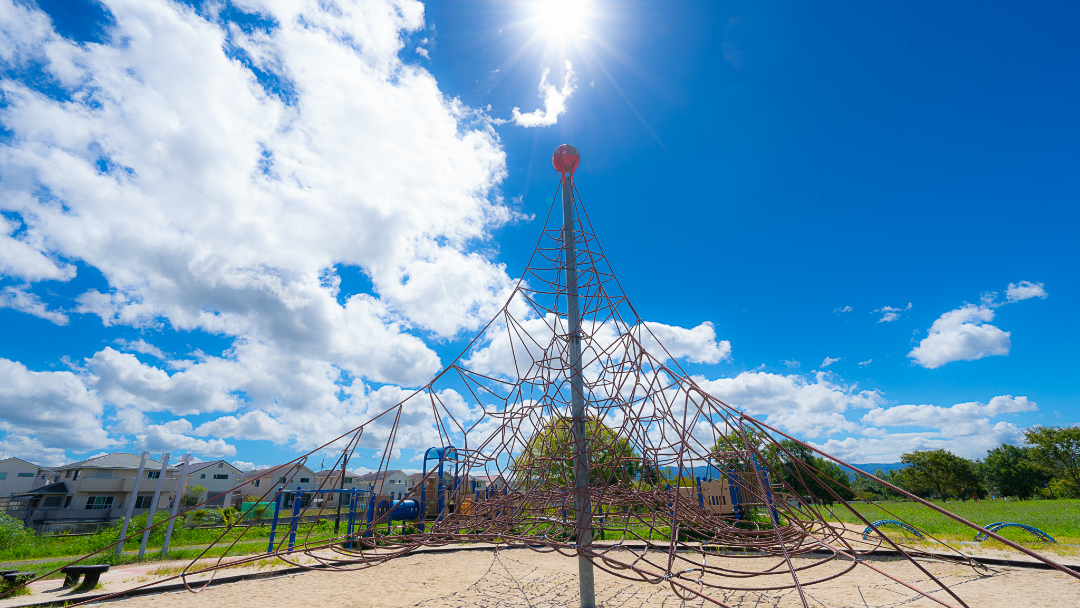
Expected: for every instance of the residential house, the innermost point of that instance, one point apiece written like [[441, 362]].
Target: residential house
[[262, 485], [218, 478], [483, 482], [18, 475], [393, 483], [332, 479], [97, 490]]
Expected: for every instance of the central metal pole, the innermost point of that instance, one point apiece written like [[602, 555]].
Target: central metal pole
[[582, 504]]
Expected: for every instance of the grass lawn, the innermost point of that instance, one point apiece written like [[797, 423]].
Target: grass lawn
[[1058, 518]]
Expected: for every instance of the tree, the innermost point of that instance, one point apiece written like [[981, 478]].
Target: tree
[[823, 475], [192, 496], [548, 457], [1012, 471], [1057, 448], [939, 472]]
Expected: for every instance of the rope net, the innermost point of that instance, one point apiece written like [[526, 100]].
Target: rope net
[[683, 490]]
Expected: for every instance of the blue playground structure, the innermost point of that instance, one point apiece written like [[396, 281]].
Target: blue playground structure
[[998, 525], [890, 522]]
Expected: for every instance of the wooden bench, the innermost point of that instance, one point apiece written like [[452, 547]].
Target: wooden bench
[[93, 573], [14, 576]]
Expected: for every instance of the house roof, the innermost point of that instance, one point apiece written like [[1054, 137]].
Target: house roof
[[278, 471], [21, 460], [486, 477], [336, 472], [52, 488], [380, 475], [116, 460], [198, 466]]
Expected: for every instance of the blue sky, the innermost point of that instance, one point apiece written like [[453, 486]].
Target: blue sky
[[193, 194]]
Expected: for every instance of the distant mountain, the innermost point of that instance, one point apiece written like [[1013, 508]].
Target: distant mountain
[[873, 467], [707, 471]]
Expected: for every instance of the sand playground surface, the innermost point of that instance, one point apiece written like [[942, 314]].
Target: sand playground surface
[[525, 578]]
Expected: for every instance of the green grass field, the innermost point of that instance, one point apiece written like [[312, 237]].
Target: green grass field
[[1058, 518]]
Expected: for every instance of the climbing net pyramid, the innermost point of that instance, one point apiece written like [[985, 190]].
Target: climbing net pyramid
[[683, 490]]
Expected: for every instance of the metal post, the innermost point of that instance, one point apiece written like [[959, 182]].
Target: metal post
[[297, 499], [582, 504], [175, 503], [273, 526], [131, 504], [153, 504]]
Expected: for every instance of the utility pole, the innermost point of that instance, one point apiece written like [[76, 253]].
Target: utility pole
[[153, 504], [131, 504], [176, 503], [566, 160]]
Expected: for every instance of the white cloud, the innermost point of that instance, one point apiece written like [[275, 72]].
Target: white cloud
[[554, 101], [1024, 290], [791, 364], [698, 345], [829, 361], [843, 309], [225, 206], [808, 405], [423, 52], [18, 298], [171, 437], [865, 363], [54, 408], [891, 313], [25, 257], [963, 334], [964, 428], [142, 346], [32, 450]]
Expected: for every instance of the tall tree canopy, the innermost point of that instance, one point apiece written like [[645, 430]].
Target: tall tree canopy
[[1012, 471], [548, 457], [1058, 448], [940, 473]]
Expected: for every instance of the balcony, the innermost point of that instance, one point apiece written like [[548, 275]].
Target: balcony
[[90, 485]]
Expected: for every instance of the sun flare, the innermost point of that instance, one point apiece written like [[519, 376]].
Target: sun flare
[[560, 18]]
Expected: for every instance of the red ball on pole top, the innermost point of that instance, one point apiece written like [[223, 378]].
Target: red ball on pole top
[[565, 159]]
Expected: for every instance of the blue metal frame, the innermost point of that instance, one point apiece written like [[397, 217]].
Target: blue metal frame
[[297, 500], [997, 525], [441, 455], [890, 522]]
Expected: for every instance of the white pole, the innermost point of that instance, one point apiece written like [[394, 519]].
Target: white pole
[[582, 504], [175, 503], [131, 503], [153, 504]]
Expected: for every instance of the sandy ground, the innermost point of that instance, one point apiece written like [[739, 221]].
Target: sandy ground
[[521, 577]]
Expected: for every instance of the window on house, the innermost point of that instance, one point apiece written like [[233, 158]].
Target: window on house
[[51, 502], [305, 479], [220, 464], [76, 475], [203, 476], [25, 474], [256, 483], [3, 475], [103, 474], [67, 473], [282, 480], [348, 480], [153, 474], [221, 476], [144, 501], [99, 502], [67, 503]]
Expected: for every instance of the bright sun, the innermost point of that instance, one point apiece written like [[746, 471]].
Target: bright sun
[[560, 18]]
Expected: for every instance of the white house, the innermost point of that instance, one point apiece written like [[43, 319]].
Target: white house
[[264, 483], [387, 483], [217, 477], [18, 475]]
